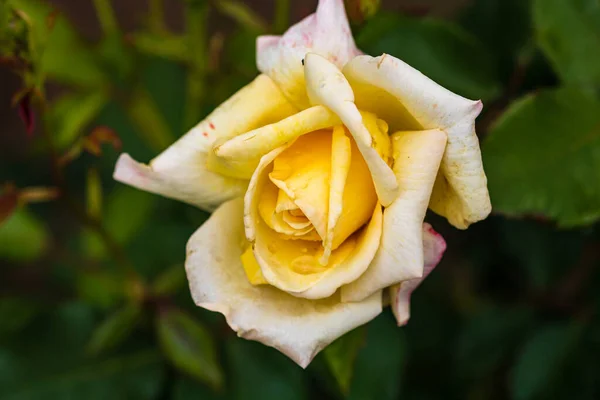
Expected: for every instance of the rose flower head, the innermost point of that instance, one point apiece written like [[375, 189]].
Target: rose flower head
[[320, 173]]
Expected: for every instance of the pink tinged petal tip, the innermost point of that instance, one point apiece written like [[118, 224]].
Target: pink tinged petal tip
[[434, 247], [169, 181], [326, 32], [138, 175], [477, 108], [265, 42]]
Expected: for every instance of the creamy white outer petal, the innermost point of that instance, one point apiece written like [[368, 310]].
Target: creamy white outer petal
[[297, 327], [326, 85], [180, 171], [461, 193], [417, 157], [210, 190], [434, 247], [326, 32]]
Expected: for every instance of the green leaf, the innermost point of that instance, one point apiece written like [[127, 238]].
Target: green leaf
[[361, 10], [125, 212], [4, 15], [568, 31], [135, 376], [46, 361], [72, 113], [106, 17], [197, 14], [163, 45], [187, 389], [486, 19], [441, 50], [242, 14], [118, 59], [103, 289], [63, 55], [488, 338], [15, 314], [380, 363], [579, 377], [169, 240], [189, 346], [94, 193], [259, 372], [544, 254], [149, 120], [22, 237], [341, 355], [166, 83], [170, 281], [281, 21], [240, 53], [542, 359], [114, 329], [543, 156]]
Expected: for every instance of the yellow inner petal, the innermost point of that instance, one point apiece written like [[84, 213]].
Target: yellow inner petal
[[314, 201], [341, 157], [302, 173], [294, 264], [358, 201], [279, 221], [378, 129], [240, 155], [252, 268]]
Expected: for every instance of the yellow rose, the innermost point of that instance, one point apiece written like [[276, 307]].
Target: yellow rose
[[321, 172]]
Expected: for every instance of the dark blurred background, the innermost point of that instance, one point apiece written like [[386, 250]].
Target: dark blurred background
[[94, 302]]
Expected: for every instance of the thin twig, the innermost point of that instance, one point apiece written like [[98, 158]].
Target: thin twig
[[113, 247], [106, 16], [156, 18]]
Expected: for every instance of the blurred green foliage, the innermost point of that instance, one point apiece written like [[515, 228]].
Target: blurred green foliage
[[441, 50], [548, 176], [93, 297]]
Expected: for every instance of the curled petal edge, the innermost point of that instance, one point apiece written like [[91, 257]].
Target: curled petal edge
[[298, 328], [326, 32], [417, 156], [327, 86], [434, 247], [408, 100]]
